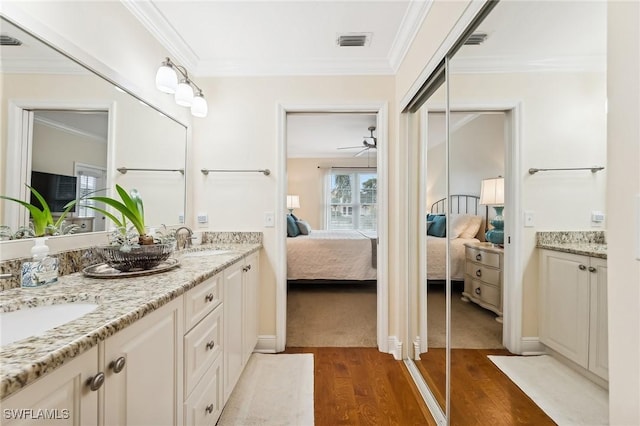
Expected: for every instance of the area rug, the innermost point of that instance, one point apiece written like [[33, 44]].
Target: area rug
[[273, 390], [563, 394]]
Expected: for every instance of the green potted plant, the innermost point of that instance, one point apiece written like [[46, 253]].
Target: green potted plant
[[42, 222]]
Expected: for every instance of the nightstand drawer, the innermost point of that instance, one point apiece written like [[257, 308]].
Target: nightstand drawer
[[487, 293], [484, 257], [481, 272]]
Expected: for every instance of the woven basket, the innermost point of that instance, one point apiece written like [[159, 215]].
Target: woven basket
[[139, 258]]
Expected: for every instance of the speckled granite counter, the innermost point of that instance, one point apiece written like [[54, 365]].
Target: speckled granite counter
[[588, 243], [122, 301]]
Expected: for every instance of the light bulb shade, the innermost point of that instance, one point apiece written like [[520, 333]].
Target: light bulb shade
[[199, 106], [184, 94], [293, 202], [166, 79], [492, 192]]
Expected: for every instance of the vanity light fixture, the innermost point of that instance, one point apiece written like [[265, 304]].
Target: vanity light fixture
[[183, 89]]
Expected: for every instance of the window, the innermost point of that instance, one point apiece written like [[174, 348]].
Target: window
[[352, 199]]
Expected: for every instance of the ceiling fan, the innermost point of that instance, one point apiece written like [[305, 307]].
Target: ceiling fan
[[373, 144]]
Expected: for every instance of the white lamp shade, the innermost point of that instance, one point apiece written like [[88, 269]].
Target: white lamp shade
[[293, 202], [492, 192], [166, 79], [184, 94], [199, 107]]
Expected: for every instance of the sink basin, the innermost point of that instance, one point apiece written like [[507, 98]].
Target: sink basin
[[205, 253], [27, 322]]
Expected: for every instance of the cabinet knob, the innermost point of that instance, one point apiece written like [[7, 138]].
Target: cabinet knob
[[96, 381], [592, 269], [209, 409], [479, 257], [248, 267], [118, 365], [477, 290], [210, 345], [478, 273], [582, 267], [209, 297]]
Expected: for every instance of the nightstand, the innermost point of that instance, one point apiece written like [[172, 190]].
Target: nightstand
[[484, 264]]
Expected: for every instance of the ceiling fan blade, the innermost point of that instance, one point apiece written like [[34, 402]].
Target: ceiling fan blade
[[358, 154], [350, 147]]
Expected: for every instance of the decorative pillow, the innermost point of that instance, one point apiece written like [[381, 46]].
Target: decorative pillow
[[473, 226], [304, 227], [429, 223], [439, 227], [292, 228], [459, 223]]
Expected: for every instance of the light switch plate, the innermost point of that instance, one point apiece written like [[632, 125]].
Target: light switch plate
[[529, 219], [269, 220]]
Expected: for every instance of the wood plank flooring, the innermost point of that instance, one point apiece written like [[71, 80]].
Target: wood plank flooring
[[362, 386], [481, 393]]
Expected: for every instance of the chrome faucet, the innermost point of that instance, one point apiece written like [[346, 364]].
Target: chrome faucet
[[187, 241]]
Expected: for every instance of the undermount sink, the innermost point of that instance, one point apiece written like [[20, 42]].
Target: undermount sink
[[200, 253], [27, 322]]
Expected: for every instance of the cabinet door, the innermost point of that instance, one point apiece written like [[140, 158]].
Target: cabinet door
[[59, 398], [232, 324], [251, 288], [598, 350], [148, 390], [564, 304]]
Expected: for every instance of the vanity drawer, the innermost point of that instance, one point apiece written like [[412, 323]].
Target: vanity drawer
[[487, 293], [202, 346], [204, 406], [479, 272], [484, 257], [201, 300]]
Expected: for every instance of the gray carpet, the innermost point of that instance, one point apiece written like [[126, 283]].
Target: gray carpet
[[331, 314], [472, 326]]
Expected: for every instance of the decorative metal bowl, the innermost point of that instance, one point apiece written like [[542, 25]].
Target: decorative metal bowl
[[138, 258]]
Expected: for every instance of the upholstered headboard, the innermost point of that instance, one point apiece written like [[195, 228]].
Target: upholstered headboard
[[462, 203]]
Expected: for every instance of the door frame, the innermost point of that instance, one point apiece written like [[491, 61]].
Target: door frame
[[380, 108]]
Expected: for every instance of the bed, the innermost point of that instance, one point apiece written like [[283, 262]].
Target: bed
[[463, 208], [332, 255]]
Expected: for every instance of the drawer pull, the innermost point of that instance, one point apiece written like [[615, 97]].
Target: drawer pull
[[244, 269], [478, 273], [209, 297], [477, 290], [209, 409], [96, 381], [592, 269], [118, 365], [479, 257], [582, 267], [248, 267], [211, 345]]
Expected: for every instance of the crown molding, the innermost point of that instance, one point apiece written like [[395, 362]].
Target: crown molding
[[409, 27], [487, 65], [68, 129], [156, 23]]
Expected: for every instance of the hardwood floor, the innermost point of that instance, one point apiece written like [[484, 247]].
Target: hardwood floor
[[362, 386], [483, 394]]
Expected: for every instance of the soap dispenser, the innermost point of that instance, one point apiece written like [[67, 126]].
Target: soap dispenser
[[42, 270]]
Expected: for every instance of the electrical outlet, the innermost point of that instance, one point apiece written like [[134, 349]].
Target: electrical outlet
[[597, 218], [269, 220], [181, 218], [203, 218]]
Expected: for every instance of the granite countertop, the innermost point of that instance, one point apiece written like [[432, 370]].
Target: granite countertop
[[122, 301], [588, 243]]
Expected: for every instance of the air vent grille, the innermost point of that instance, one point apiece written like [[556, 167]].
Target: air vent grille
[[475, 39], [6, 40], [353, 40]]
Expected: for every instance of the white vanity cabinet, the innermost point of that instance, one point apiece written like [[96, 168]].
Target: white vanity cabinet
[[143, 370], [573, 308], [240, 317], [64, 396]]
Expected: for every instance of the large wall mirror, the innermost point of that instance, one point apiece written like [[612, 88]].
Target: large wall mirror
[[526, 90], [64, 123]]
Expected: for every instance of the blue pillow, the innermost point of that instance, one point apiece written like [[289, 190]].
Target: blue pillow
[[292, 227], [439, 227]]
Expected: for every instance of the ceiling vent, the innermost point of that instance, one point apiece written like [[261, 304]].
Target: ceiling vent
[[475, 39], [6, 40], [353, 40]]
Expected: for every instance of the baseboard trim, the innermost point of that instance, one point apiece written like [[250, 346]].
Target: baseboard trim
[[394, 346], [266, 344], [532, 346]]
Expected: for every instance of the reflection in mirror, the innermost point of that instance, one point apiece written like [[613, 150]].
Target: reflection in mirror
[[63, 119]]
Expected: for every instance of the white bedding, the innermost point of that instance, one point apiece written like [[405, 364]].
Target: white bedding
[[436, 253], [330, 255]]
